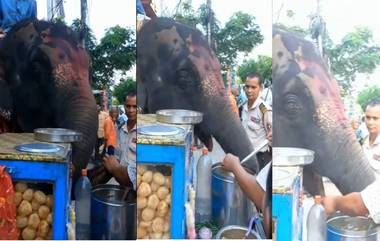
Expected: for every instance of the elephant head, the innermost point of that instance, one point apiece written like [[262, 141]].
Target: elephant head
[[47, 82], [308, 113], [176, 69]]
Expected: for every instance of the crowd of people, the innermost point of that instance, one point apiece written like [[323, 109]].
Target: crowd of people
[[116, 145]]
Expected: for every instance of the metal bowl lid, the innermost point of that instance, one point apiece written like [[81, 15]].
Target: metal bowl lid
[[179, 116], [60, 135], [290, 156], [352, 226], [160, 130], [43, 148]]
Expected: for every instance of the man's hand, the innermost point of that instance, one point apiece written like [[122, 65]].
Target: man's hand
[[111, 164], [329, 204], [269, 137], [231, 162]]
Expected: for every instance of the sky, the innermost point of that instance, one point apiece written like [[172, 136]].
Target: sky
[[261, 9], [102, 13], [341, 17]]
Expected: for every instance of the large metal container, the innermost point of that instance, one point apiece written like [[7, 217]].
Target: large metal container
[[236, 232], [112, 217], [230, 206], [345, 228]]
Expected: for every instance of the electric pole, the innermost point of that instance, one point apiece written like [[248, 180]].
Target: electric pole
[[83, 21]]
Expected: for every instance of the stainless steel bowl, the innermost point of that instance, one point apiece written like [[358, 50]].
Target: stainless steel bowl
[[179, 116], [290, 156], [59, 135], [235, 232]]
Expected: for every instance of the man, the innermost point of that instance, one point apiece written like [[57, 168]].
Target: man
[[367, 202], [102, 116], [256, 188], [256, 117], [125, 171], [110, 136], [371, 145]]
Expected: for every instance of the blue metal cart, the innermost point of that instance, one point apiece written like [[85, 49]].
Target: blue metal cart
[[173, 151], [54, 169], [287, 211]]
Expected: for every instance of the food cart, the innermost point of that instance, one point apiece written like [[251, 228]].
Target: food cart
[[51, 166], [164, 151]]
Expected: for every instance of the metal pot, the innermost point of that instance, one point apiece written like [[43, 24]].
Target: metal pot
[[112, 217], [230, 206], [346, 228], [235, 232]]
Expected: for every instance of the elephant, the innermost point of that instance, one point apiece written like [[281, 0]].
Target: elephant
[[308, 113], [176, 69], [44, 80]]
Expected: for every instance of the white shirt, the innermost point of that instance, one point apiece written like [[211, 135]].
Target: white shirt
[[373, 154], [262, 176], [254, 123], [371, 199], [126, 152]]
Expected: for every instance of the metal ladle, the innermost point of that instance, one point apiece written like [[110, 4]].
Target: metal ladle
[[256, 150]]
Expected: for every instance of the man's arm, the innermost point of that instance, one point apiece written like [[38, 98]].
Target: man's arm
[[119, 172], [246, 181], [351, 204]]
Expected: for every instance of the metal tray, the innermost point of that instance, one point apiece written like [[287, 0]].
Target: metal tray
[[44, 148], [290, 156], [179, 116], [160, 130], [59, 135]]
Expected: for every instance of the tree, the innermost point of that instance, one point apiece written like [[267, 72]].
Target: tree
[[239, 35], [357, 53], [115, 52], [293, 29], [89, 38], [368, 94], [263, 67], [123, 88]]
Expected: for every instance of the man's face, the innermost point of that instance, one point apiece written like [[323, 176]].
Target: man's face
[[252, 88], [114, 113], [372, 119], [130, 106]]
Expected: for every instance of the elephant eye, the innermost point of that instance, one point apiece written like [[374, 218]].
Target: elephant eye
[[293, 105]]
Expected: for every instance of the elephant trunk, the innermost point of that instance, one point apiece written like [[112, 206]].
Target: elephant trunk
[[352, 171], [227, 129], [81, 115]]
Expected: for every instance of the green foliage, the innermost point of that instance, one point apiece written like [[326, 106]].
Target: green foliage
[[368, 94], [123, 88], [116, 52], [239, 35], [357, 53], [263, 67]]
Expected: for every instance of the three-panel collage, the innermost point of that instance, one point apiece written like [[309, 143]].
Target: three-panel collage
[[189, 119]]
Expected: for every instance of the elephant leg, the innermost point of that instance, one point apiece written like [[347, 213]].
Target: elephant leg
[[313, 182]]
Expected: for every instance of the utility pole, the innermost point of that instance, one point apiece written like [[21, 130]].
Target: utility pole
[[209, 19], [83, 21]]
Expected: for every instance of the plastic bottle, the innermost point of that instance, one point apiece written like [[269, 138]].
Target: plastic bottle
[[203, 193], [316, 221], [83, 207]]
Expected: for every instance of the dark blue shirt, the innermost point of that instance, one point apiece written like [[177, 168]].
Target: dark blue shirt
[[13, 11]]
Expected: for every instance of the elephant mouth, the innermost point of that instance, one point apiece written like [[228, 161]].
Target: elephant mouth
[[5, 114]]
